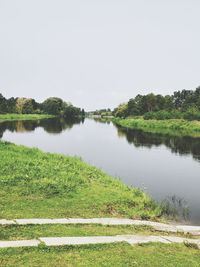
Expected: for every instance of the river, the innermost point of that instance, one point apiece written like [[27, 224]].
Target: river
[[166, 167]]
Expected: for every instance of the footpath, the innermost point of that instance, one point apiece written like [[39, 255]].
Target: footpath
[[86, 240]]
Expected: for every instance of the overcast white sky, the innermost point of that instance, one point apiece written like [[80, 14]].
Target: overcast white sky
[[98, 53]]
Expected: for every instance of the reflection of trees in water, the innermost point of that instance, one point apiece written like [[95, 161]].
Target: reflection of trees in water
[[175, 208], [182, 145], [102, 120], [55, 125]]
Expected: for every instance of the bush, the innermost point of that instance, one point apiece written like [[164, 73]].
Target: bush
[[163, 115], [192, 114]]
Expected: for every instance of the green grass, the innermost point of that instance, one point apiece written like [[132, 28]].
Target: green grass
[[34, 184], [173, 127], [20, 232], [118, 255], [11, 117]]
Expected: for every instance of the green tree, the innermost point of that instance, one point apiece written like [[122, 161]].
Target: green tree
[[121, 110], [3, 104], [53, 105]]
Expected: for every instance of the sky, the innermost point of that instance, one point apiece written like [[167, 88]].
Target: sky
[[98, 53]]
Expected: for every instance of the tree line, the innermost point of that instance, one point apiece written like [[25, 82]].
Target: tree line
[[52, 106], [181, 104]]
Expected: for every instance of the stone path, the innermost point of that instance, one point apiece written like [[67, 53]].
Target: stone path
[[194, 230], [131, 239]]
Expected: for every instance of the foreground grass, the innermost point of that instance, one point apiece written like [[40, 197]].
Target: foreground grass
[[10, 117], [174, 127], [34, 184], [122, 254]]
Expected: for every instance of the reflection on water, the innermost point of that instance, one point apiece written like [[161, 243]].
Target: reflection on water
[[52, 126], [176, 208], [182, 145], [103, 120]]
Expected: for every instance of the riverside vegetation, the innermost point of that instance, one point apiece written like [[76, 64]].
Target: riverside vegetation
[[177, 114], [14, 117], [182, 104], [173, 127], [51, 106]]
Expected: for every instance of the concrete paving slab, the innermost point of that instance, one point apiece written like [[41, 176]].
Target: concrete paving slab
[[61, 241], [34, 221], [165, 228], [116, 221], [86, 240], [84, 221], [189, 229], [176, 239], [140, 239], [7, 222], [19, 243], [194, 230], [131, 239]]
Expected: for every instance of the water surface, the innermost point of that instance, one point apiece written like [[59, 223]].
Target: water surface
[[164, 166]]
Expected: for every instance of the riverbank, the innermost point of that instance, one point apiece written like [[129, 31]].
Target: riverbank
[[34, 184], [173, 127], [11, 117], [37, 184]]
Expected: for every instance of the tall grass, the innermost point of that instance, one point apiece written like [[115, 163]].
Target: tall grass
[[174, 127]]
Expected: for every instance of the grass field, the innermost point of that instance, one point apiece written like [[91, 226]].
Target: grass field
[[119, 255], [174, 127], [34, 184]]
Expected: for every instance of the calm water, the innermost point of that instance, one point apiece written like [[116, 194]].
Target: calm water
[[163, 166]]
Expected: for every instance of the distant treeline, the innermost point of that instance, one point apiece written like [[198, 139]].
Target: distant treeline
[[53, 106], [100, 112], [182, 104]]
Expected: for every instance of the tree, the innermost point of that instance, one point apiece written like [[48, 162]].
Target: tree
[[150, 102], [121, 110], [53, 105], [3, 104], [133, 107], [11, 105], [69, 111], [25, 105]]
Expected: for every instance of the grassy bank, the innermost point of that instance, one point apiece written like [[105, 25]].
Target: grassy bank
[[37, 184], [174, 127], [11, 117], [148, 255]]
